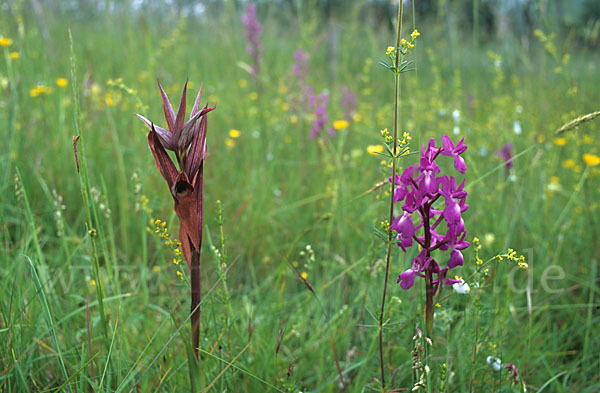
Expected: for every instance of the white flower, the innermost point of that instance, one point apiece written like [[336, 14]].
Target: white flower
[[494, 362], [461, 287], [456, 115], [517, 127], [456, 130]]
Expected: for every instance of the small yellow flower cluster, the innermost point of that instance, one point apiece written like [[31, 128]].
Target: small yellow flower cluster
[[62, 82], [142, 204], [14, 55], [385, 225], [405, 139], [512, 256], [405, 46], [160, 228], [476, 243], [118, 83], [40, 90], [386, 135]]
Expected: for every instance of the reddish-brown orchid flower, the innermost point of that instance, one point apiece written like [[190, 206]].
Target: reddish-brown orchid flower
[[185, 181]]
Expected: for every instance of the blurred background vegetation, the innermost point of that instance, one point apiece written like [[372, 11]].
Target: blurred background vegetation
[[495, 72]]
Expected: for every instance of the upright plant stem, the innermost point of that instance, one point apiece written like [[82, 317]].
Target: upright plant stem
[[391, 215], [196, 298]]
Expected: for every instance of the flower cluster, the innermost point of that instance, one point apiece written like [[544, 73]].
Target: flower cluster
[[393, 53], [253, 32], [160, 228], [319, 103], [348, 101], [187, 139], [420, 186]]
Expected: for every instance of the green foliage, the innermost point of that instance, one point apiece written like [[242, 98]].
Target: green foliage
[[90, 299]]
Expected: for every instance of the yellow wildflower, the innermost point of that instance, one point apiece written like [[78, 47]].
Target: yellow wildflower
[[554, 180], [374, 149], [389, 50], [356, 117], [285, 107], [254, 96], [304, 275], [570, 163], [591, 159], [6, 41], [93, 282], [233, 133], [14, 55], [230, 143], [340, 124], [39, 90], [415, 34], [560, 141], [243, 83], [108, 99], [62, 82]]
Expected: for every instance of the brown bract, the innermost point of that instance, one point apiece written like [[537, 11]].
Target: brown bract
[[188, 141]]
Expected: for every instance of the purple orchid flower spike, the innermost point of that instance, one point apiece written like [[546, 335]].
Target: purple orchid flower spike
[[185, 182], [418, 189], [455, 151], [506, 154]]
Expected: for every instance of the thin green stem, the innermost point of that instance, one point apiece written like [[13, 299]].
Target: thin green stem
[[391, 215]]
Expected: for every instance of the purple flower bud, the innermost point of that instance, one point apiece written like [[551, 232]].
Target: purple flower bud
[[406, 279], [405, 228], [456, 259]]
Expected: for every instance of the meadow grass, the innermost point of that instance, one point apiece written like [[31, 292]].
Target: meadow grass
[[91, 301]]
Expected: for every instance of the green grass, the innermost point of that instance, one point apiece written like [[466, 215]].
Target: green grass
[[280, 192]]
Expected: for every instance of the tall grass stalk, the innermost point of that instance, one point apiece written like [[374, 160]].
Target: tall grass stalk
[[392, 184], [41, 291], [84, 185]]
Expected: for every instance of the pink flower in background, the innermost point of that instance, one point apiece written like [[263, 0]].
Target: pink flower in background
[[253, 32], [348, 101]]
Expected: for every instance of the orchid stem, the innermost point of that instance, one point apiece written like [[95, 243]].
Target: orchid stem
[[196, 298]]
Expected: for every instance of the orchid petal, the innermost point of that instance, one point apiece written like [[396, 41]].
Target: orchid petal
[[167, 108]]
